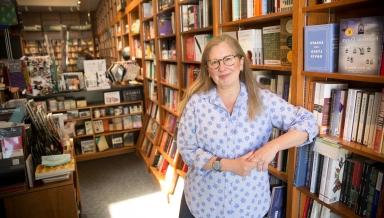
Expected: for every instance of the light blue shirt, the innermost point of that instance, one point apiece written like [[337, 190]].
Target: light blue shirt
[[207, 129]]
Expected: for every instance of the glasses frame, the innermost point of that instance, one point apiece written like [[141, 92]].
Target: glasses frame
[[221, 60]]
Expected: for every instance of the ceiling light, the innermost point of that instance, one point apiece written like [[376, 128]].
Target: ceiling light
[[78, 2]]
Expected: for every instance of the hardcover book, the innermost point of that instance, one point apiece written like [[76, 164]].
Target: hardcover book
[[361, 44], [271, 45], [320, 47]]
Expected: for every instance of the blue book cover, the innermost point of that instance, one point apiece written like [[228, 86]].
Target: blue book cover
[[321, 47], [361, 43], [278, 199], [302, 157], [165, 25]]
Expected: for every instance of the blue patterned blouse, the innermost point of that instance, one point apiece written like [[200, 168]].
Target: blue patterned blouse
[[206, 129]]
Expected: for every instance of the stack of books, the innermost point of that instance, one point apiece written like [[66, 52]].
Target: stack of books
[[53, 173]]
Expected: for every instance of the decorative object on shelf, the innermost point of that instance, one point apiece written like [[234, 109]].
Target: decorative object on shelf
[[112, 97], [39, 75], [95, 76], [72, 81], [123, 71]]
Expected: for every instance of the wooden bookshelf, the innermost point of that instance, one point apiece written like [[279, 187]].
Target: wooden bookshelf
[[347, 77], [107, 153], [278, 174], [257, 19]]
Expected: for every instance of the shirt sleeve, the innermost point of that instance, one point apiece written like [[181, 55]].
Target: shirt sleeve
[[286, 116], [193, 154]]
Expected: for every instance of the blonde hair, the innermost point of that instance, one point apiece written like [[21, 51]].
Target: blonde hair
[[203, 82]]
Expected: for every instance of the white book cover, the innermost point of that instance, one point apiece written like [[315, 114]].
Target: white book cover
[[323, 177], [372, 124], [349, 114], [367, 123], [247, 41], [359, 96], [362, 117], [315, 167]]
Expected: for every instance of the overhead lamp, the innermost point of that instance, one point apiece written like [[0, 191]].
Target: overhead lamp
[[79, 2]]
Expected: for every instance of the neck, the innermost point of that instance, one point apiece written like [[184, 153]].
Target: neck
[[229, 96]]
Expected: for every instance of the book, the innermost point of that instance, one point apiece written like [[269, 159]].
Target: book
[[102, 143], [321, 47], [11, 141], [43, 172], [278, 199], [361, 44], [87, 146], [271, 45], [286, 41]]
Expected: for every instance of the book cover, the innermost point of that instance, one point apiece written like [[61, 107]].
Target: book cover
[[43, 172], [286, 41], [271, 45], [11, 141], [278, 198], [321, 47], [361, 42], [165, 25]]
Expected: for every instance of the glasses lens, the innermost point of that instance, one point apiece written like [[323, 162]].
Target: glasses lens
[[213, 64], [229, 60]]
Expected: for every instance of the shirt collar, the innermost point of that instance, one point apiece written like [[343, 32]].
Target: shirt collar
[[214, 98]]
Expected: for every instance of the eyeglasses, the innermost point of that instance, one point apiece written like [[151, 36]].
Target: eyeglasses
[[228, 60]]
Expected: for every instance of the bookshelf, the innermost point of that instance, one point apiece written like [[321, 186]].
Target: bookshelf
[[311, 13], [157, 87], [119, 123], [66, 36]]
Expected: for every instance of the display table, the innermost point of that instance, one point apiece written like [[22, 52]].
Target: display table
[[53, 200]]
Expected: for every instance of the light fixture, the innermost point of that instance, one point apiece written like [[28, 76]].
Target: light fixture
[[79, 2]]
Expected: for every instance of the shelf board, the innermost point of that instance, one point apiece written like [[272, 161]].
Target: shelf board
[[191, 62], [175, 113], [337, 207], [150, 138], [148, 40], [187, 2], [277, 173], [346, 76], [135, 34], [359, 149], [150, 18], [170, 160], [199, 30], [78, 119], [257, 19], [117, 132], [107, 153], [167, 36], [167, 130], [173, 86], [117, 116], [114, 105], [271, 67], [83, 136], [152, 79], [166, 10], [159, 177], [181, 173], [168, 60], [332, 5]]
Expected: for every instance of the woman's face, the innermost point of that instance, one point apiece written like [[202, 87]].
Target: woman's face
[[224, 66]]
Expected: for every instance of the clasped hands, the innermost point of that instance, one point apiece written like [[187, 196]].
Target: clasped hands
[[254, 160]]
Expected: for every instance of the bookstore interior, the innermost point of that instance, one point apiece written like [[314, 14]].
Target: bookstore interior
[[87, 79]]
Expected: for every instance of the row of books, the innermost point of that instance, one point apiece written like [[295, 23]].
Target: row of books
[[90, 127], [170, 98], [166, 24], [149, 30], [196, 16], [170, 75], [353, 114], [168, 49], [170, 122], [331, 172], [314, 209], [153, 111], [354, 45], [152, 90], [190, 75], [168, 145], [249, 8], [194, 46], [277, 39], [103, 143], [150, 70], [149, 50]]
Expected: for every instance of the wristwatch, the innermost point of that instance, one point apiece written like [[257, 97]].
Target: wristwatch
[[217, 164]]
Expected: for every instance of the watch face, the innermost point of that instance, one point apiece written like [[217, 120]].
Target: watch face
[[216, 166]]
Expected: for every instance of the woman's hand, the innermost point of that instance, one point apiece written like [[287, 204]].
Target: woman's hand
[[241, 166], [263, 156]]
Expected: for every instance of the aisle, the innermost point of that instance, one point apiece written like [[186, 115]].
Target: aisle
[[121, 187]]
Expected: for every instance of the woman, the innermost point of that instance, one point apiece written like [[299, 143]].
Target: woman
[[223, 135]]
